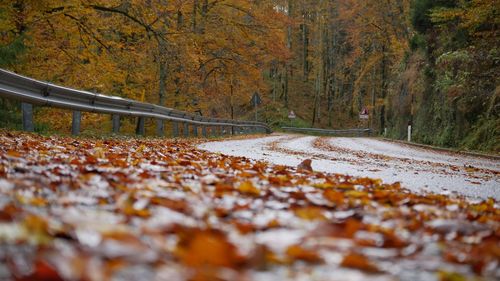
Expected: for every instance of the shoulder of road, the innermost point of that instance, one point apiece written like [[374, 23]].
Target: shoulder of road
[[443, 149]]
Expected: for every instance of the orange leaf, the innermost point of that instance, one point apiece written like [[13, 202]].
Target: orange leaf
[[296, 252], [14, 153], [207, 247], [358, 261], [42, 272], [247, 187], [334, 196], [310, 213]]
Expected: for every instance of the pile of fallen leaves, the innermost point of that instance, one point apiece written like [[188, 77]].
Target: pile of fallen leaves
[[139, 209]]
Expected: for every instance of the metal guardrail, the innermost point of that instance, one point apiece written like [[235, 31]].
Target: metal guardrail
[[350, 132], [34, 92]]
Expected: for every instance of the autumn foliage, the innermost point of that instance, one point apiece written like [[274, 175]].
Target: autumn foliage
[[206, 56], [433, 64]]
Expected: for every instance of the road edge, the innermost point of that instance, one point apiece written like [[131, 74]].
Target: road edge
[[454, 151]]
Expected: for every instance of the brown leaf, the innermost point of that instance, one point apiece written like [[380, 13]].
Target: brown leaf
[[358, 261], [305, 166], [42, 272], [176, 205], [207, 247], [14, 153], [297, 252], [334, 196]]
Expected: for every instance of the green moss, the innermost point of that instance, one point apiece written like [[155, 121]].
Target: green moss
[[10, 114], [484, 136], [418, 41]]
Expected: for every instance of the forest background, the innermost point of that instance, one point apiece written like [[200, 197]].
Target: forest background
[[431, 63]]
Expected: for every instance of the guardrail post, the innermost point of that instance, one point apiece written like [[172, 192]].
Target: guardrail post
[[213, 131], [186, 129], [140, 130], [175, 129], [160, 127], [116, 123], [204, 131], [75, 122], [195, 130], [27, 110]]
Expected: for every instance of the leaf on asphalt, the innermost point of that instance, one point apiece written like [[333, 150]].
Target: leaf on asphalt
[[297, 252], [358, 261], [305, 166], [248, 187], [198, 248], [334, 196]]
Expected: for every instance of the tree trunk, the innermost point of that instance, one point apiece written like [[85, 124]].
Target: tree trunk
[[163, 82], [231, 92], [305, 46], [195, 11], [384, 86], [289, 46], [180, 20], [285, 87], [373, 99], [289, 28], [204, 12]]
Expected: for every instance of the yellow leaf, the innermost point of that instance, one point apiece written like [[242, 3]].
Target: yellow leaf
[[247, 187]]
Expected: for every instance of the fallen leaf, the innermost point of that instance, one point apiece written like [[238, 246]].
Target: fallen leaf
[[297, 252], [207, 248], [358, 261], [305, 166], [247, 187]]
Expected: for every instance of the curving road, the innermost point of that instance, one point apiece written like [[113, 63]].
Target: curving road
[[418, 169]]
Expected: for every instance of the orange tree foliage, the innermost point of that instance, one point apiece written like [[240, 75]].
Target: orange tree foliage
[[191, 55], [378, 33]]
